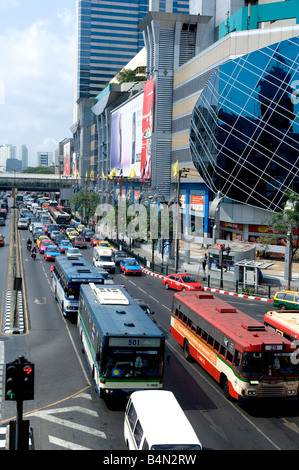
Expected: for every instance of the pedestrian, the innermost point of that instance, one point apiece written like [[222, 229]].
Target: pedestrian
[[204, 263]]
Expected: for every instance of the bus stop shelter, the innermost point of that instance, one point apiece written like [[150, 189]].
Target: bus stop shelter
[[249, 271]]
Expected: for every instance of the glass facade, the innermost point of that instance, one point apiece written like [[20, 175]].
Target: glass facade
[[244, 135], [108, 38]]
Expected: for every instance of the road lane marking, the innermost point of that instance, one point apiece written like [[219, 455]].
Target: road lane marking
[[66, 444]]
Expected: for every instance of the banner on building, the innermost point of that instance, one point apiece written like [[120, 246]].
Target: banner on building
[[66, 160], [126, 137], [147, 130]]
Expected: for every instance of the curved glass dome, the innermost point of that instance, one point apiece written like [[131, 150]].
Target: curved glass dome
[[244, 136]]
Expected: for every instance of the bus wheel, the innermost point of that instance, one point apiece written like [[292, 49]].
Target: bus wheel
[[186, 351], [225, 386]]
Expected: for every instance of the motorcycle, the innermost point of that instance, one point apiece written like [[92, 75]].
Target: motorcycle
[[29, 244], [33, 256]]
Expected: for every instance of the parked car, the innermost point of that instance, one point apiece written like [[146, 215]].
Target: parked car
[[3, 213], [23, 223], [73, 253], [130, 266], [181, 281], [51, 252], [79, 242], [2, 240], [286, 300], [2, 220], [118, 256], [64, 245]]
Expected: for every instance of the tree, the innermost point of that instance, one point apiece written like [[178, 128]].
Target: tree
[[129, 75], [85, 203], [287, 223]]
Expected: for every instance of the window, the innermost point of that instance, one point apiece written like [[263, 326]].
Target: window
[[211, 337], [132, 415], [217, 340], [223, 346], [138, 433], [205, 330]]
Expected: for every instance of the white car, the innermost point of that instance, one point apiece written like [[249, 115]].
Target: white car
[[23, 223], [73, 253]]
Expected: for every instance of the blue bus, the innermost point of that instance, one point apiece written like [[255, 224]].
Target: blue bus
[[68, 275], [123, 346]]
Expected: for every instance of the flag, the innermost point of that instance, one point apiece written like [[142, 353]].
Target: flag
[[175, 169], [132, 173], [86, 176], [120, 176], [91, 176], [112, 174], [103, 176]]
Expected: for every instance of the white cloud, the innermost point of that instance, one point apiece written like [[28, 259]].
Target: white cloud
[[37, 77]]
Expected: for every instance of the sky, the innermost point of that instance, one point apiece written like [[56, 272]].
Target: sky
[[37, 71]]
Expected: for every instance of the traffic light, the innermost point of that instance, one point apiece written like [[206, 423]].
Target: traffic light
[[27, 381], [19, 382], [12, 381]]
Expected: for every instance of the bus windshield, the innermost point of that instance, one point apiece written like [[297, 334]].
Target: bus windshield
[[72, 292], [132, 363], [268, 364]]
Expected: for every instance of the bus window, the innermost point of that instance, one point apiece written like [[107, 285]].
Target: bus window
[[217, 340], [211, 335], [205, 330], [237, 360], [223, 346]]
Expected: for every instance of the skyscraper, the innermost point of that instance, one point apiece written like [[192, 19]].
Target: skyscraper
[[108, 37]]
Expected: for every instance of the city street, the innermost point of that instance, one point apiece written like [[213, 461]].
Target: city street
[[67, 413]]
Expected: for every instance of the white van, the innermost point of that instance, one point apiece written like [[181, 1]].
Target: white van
[[154, 420], [102, 258]]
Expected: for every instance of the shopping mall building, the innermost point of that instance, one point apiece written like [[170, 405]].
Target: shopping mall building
[[225, 110]]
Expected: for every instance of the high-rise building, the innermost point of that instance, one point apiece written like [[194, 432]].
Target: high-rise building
[[24, 156], [44, 158], [108, 37]]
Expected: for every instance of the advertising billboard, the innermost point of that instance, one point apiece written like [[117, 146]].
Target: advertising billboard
[[126, 137], [66, 159], [147, 129]]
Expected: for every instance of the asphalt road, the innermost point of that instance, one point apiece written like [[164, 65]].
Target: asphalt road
[[68, 414]]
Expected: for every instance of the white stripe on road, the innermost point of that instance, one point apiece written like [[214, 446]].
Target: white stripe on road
[[66, 444]]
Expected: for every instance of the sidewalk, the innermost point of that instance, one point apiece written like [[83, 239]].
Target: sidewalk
[[273, 275]]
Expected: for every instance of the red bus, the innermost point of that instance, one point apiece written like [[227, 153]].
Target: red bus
[[246, 358], [284, 322], [57, 216], [66, 209]]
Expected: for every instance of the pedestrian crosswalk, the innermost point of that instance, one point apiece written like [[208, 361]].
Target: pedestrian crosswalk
[[3, 437]]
